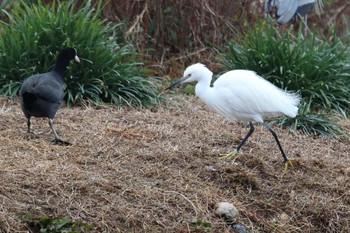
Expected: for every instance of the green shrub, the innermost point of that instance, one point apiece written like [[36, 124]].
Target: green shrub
[[313, 123], [317, 69], [110, 69]]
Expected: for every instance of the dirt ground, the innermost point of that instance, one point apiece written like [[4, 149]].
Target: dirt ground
[[158, 170]]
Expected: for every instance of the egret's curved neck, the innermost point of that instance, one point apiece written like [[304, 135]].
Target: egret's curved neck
[[203, 86]]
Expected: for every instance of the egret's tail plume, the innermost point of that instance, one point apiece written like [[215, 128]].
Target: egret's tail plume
[[294, 100]]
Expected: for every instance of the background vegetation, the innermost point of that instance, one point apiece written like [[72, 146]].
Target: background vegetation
[[110, 70], [115, 38], [311, 64]]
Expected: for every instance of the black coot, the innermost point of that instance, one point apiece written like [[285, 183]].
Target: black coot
[[42, 94]]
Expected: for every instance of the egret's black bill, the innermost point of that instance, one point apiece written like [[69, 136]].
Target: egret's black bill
[[176, 82]]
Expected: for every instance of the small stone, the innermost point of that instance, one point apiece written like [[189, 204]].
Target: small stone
[[239, 228], [210, 168], [283, 217], [227, 211]]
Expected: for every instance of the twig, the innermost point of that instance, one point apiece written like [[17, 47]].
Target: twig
[[136, 23], [339, 12], [188, 55], [184, 197]]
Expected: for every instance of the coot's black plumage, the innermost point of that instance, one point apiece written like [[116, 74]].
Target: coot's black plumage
[[42, 94]]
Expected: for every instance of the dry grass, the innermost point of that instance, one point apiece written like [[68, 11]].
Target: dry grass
[[154, 170]]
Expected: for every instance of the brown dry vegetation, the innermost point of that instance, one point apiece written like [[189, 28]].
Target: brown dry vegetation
[[171, 34], [157, 169]]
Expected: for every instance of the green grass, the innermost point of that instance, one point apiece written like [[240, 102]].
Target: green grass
[[50, 224], [311, 65], [313, 122], [110, 69]]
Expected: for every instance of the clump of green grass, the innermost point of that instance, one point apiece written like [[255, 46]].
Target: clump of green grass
[[50, 224], [110, 69], [313, 122], [311, 65]]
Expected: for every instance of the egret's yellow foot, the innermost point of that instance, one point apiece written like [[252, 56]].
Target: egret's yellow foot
[[287, 164], [230, 155]]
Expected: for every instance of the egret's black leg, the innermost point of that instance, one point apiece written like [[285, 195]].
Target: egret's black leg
[[57, 139], [276, 138], [251, 130], [234, 153]]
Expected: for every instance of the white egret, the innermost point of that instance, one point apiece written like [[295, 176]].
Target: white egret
[[242, 95]]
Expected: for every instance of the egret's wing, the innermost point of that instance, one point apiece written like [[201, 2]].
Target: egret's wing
[[244, 94]]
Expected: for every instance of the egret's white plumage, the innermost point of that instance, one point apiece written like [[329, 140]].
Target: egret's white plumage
[[241, 95]]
